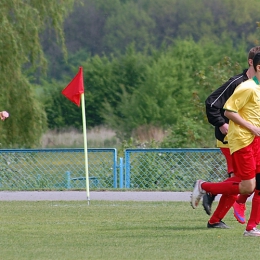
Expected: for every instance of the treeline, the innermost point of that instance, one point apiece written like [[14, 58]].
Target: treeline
[[150, 63], [146, 63], [21, 53], [102, 27], [164, 88]]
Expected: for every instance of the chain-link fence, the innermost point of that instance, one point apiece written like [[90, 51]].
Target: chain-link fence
[[146, 169], [172, 169], [56, 169]]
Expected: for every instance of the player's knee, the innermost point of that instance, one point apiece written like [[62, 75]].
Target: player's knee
[[247, 186]]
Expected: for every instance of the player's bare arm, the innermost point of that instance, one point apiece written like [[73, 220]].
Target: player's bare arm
[[236, 118]]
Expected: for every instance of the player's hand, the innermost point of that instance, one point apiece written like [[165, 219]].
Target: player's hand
[[224, 129], [4, 115], [255, 130]]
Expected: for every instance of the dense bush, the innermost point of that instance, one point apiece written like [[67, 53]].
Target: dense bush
[[164, 88]]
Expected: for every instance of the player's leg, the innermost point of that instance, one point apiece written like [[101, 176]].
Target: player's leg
[[239, 208], [224, 205], [208, 198], [241, 183], [251, 228], [229, 187]]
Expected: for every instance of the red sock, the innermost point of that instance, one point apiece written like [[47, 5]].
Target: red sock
[[255, 211], [224, 205], [229, 186], [242, 198]]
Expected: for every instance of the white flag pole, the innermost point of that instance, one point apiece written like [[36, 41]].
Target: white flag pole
[[85, 144]]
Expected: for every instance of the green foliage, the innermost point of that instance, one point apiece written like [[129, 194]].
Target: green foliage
[[219, 72], [129, 25], [164, 56], [21, 22], [141, 84], [27, 117], [64, 67], [189, 132], [61, 113], [107, 79], [192, 128], [165, 92], [99, 86], [166, 88], [109, 26]]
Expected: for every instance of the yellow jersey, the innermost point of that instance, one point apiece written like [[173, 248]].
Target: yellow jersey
[[245, 101], [221, 145]]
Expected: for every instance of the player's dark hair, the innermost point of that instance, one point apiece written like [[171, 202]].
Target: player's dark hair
[[256, 60], [253, 51]]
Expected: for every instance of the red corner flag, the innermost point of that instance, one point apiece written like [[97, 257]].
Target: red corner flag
[[75, 88]]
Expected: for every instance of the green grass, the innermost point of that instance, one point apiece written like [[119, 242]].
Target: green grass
[[117, 230]]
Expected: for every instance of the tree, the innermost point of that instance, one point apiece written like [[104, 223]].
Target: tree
[[176, 81], [21, 22], [165, 92], [129, 25]]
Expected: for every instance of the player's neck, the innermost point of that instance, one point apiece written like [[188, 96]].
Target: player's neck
[[250, 72]]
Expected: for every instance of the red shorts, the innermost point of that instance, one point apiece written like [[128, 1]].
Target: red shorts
[[229, 159], [246, 161]]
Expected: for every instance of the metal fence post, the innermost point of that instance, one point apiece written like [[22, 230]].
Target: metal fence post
[[115, 169], [121, 173], [68, 180], [127, 169]]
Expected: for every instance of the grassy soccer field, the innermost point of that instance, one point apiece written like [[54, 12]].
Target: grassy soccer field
[[117, 230]]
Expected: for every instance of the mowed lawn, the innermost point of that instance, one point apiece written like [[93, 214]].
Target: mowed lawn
[[117, 230]]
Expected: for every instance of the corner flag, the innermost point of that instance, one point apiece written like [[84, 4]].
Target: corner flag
[[75, 88], [75, 92]]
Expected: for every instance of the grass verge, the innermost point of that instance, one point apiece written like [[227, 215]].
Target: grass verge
[[117, 230]]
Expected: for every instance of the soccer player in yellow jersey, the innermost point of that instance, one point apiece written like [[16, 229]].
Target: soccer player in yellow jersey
[[215, 114], [243, 111]]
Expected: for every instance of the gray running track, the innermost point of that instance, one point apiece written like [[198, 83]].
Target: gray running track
[[94, 195]]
